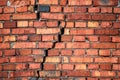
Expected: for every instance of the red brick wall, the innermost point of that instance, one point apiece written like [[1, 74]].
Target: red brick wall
[[59, 40]]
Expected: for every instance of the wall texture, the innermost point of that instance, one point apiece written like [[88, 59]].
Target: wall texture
[[59, 40]]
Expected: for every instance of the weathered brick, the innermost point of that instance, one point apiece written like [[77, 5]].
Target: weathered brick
[[10, 52], [22, 9], [106, 10], [49, 73], [4, 60], [47, 2], [8, 10], [9, 38], [10, 24], [3, 74], [105, 66], [9, 67]]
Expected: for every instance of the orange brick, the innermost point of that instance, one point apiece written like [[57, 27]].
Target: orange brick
[[63, 2], [106, 60], [106, 10], [52, 59], [21, 66], [1, 25], [22, 23], [68, 9], [9, 67], [103, 45], [60, 45], [106, 24], [39, 24], [116, 53], [45, 45], [21, 9], [94, 10], [34, 66], [93, 24], [48, 2], [79, 52], [4, 45], [93, 66], [52, 23], [104, 52], [25, 52], [49, 66], [116, 66], [4, 31], [9, 38], [80, 24], [80, 67], [69, 24], [55, 8], [47, 38], [4, 16], [67, 66], [79, 38], [8, 10], [92, 52]]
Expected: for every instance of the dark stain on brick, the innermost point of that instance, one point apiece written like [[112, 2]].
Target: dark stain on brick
[[105, 1]]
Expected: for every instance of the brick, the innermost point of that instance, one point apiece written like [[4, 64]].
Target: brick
[[68, 9], [66, 38], [4, 31], [92, 38], [38, 51], [45, 44], [48, 31], [78, 38], [22, 9], [116, 66], [3, 74], [103, 74], [21, 66], [21, 59], [22, 23], [116, 25], [25, 52], [80, 2], [80, 24], [4, 45], [79, 52], [116, 10], [47, 37], [80, 66], [1, 53], [69, 24], [92, 78], [105, 2], [81, 31], [24, 16], [10, 24], [53, 52], [44, 8], [106, 10], [115, 39], [77, 45], [92, 52], [49, 66], [22, 74], [81, 59], [93, 24], [105, 38], [8, 10], [24, 45], [8, 67], [23, 31], [103, 17], [4, 60], [1, 25], [116, 53], [3, 2], [76, 73], [104, 52], [39, 24], [106, 60], [55, 8], [73, 16], [93, 66], [67, 67], [105, 66], [35, 38], [49, 74], [66, 52], [106, 32], [103, 45], [53, 59], [47, 2], [4, 17], [63, 2], [60, 45], [94, 10], [34, 65], [106, 24], [1, 9], [118, 45], [22, 38], [9, 52], [52, 16], [51, 23], [81, 9], [9, 38]]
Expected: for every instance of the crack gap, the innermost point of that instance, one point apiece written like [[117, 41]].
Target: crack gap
[[38, 75]]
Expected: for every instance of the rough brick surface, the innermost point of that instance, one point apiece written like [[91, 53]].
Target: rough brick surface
[[59, 40]]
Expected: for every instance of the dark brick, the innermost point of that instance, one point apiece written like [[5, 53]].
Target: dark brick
[[10, 24], [43, 8]]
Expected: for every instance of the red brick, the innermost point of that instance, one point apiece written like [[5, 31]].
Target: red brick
[[103, 17], [25, 52], [105, 3], [48, 31], [55, 8], [106, 32], [78, 38], [3, 74], [106, 24], [81, 59], [1, 39], [66, 38], [34, 65], [47, 2], [8, 10], [1, 10], [53, 16], [103, 45], [22, 38], [68, 9], [10, 24], [115, 39], [63, 2], [104, 52], [103, 74], [81, 9], [106, 60], [21, 59], [77, 16], [77, 45], [3, 2], [80, 2], [106, 10], [47, 37], [24, 45], [60, 45], [52, 24], [80, 24], [79, 52], [24, 16], [23, 31], [81, 31], [4, 16], [0, 68], [45, 44], [76, 73], [4, 45], [92, 52], [92, 79], [53, 52], [1, 53], [105, 38], [92, 38], [94, 10], [116, 66], [66, 52], [49, 66], [22, 74], [80, 66], [93, 66], [21, 66], [118, 45], [105, 66], [67, 66], [39, 24], [116, 25], [9, 67], [69, 24], [35, 38], [4, 31], [9, 52], [116, 53], [22, 9], [38, 51], [4, 60]]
